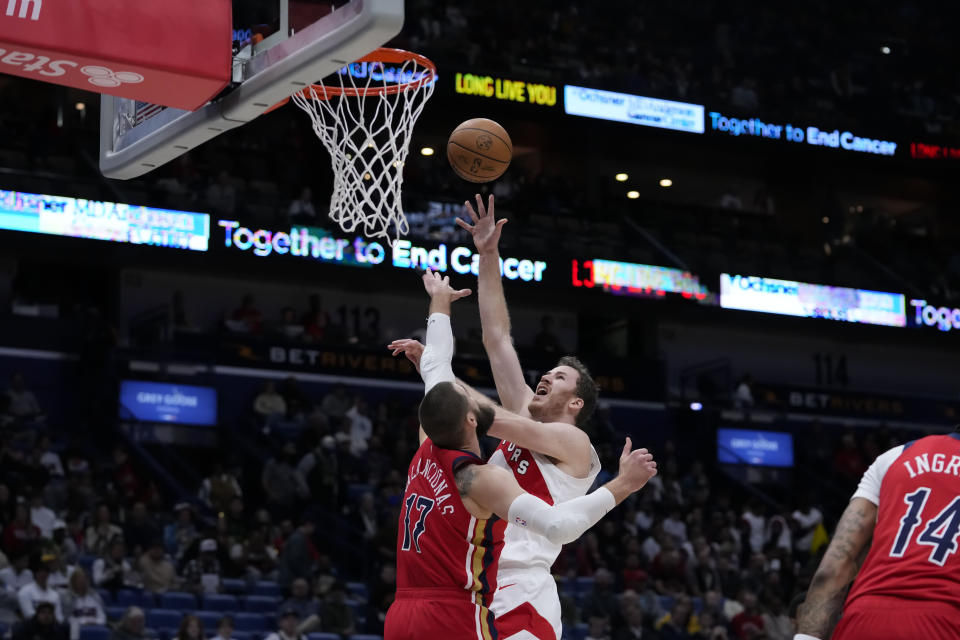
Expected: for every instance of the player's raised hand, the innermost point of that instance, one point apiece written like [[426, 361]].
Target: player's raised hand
[[636, 467], [485, 228], [439, 287], [412, 349]]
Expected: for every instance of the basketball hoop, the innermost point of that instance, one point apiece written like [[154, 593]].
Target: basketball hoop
[[365, 117]]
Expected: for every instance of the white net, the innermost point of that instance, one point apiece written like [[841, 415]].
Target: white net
[[366, 124]]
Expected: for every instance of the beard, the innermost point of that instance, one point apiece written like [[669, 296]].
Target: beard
[[546, 410], [536, 410], [485, 416]]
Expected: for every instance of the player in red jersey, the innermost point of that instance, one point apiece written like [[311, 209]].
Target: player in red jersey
[[446, 546], [908, 588], [549, 454]]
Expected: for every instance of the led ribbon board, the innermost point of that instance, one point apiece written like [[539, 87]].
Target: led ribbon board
[[924, 314], [313, 243], [790, 298], [512, 90], [95, 220], [627, 278], [626, 107], [786, 132]]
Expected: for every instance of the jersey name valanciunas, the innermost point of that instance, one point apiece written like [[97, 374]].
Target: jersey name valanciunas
[[439, 543]]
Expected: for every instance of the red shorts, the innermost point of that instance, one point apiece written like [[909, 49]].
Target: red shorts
[[420, 614], [875, 618]]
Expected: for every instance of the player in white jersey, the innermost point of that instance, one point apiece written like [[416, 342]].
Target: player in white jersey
[[550, 455]]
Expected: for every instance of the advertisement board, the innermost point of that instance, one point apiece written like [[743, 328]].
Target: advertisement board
[[95, 220], [508, 89], [626, 107], [791, 298], [755, 448], [923, 314], [171, 403], [810, 135], [627, 278]]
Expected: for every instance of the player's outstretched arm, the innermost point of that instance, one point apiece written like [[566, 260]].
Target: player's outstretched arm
[[494, 318], [435, 362], [821, 610], [494, 489]]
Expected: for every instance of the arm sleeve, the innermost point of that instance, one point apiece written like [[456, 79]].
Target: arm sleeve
[[435, 362], [869, 487], [561, 523]]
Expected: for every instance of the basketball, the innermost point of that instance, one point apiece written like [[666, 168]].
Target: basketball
[[479, 150]]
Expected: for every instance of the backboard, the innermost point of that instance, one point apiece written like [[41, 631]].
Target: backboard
[[136, 137]]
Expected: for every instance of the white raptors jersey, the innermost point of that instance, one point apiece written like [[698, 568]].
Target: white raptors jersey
[[522, 548]]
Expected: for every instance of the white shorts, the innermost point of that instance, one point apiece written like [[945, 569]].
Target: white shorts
[[527, 605]]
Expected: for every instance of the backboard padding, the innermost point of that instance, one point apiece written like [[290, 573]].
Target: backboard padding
[[129, 149]]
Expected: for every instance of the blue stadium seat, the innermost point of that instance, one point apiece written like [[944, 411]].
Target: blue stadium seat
[[697, 605], [580, 631], [266, 588], [221, 602], [355, 491], [131, 598], [250, 622], [365, 636], [114, 613], [585, 584], [323, 636], [106, 596], [262, 604], [209, 620], [178, 600], [234, 586], [3, 629], [166, 634], [94, 632], [666, 603], [359, 590], [164, 618], [356, 605], [85, 561]]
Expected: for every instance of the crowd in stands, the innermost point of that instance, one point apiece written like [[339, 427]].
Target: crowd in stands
[[252, 178], [303, 539], [825, 62]]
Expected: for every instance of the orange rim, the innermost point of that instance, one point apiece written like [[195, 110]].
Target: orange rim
[[383, 54]]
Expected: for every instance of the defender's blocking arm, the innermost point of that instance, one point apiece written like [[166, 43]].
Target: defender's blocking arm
[[435, 362]]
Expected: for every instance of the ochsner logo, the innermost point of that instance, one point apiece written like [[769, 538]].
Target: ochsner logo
[[765, 285]]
